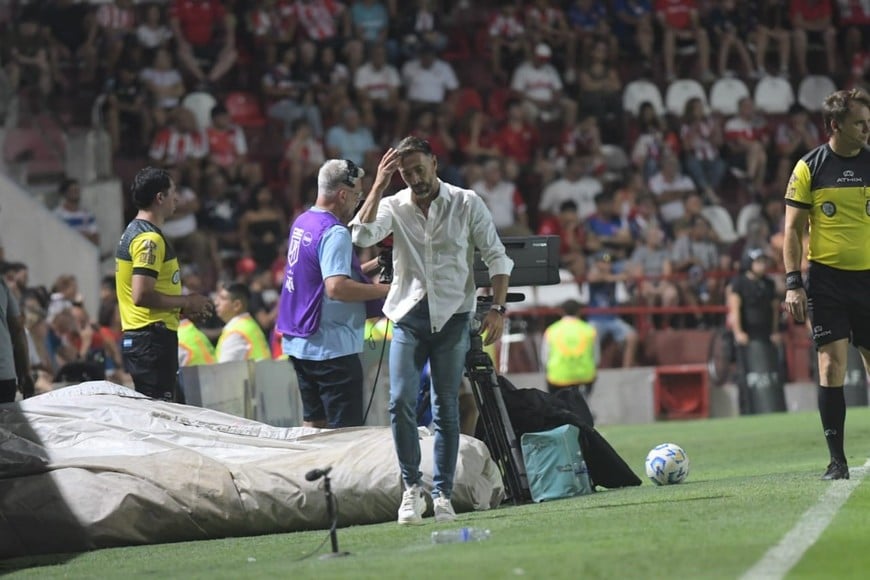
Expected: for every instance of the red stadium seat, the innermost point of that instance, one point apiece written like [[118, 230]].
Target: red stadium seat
[[244, 109]]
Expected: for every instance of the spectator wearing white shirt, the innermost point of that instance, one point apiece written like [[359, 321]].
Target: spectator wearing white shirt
[[505, 203], [670, 186], [577, 185], [70, 210], [538, 83], [428, 83], [164, 83], [377, 85], [153, 33]]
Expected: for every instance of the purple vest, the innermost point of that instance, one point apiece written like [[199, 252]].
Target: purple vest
[[302, 292]]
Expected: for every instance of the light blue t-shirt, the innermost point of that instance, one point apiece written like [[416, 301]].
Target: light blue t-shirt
[[371, 19], [342, 324], [351, 146]]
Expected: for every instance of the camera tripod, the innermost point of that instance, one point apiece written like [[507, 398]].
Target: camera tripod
[[499, 435]]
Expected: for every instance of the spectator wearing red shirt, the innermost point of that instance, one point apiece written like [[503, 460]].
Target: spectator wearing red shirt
[[196, 24], [518, 140], [681, 24], [228, 148], [572, 237], [180, 143], [322, 21], [549, 24], [812, 20]]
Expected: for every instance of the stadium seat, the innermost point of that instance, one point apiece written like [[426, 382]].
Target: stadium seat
[[725, 93], [812, 91], [680, 92], [244, 109], [773, 95], [200, 104], [638, 92]]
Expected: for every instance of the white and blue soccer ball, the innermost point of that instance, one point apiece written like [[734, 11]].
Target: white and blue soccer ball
[[667, 464]]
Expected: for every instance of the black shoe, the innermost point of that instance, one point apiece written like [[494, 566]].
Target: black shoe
[[837, 469]]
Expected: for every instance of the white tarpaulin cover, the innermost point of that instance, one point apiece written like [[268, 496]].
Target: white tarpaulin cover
[[98, 465]]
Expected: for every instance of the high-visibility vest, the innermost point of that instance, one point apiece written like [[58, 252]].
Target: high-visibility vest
[[377, 328], [195, 343], [245, 325], [571, 352]]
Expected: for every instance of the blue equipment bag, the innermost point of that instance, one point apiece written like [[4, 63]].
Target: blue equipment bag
[[554, 463]]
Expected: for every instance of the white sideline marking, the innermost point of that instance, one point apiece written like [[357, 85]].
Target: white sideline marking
[[777, 562]]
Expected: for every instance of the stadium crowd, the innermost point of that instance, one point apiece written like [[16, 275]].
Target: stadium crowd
[[523, 102]]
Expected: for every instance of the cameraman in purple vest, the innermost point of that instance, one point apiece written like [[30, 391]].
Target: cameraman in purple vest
[[436, 226], [322, 309]]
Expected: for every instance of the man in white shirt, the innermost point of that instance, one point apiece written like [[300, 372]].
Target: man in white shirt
[[70, 210], [575, 185], [428, 82], [436, 227], [505, 203], [540, 85], [670, 187], [377, 85]]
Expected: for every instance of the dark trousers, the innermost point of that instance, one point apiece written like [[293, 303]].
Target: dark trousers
[[8, 389], [151, 358], [331, 390]]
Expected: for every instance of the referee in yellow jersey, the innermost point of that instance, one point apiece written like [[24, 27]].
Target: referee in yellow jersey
[[148, 284], [830, 189]]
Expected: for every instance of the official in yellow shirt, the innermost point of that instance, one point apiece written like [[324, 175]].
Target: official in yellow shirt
[[148, 285], [828, 191]]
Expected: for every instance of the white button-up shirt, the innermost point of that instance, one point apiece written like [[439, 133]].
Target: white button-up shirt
[[433, 256]]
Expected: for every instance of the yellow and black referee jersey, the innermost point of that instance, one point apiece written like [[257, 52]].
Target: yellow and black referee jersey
[[143, 251], [836, 191]]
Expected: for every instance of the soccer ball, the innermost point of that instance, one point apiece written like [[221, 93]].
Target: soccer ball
[[666, 464]]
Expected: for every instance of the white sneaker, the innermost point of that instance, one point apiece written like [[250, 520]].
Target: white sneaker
[[443, 509], [413, 506]]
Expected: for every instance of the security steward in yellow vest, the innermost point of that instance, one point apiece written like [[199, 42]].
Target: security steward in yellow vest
[[242, 338], [570, 351], [194, 347]]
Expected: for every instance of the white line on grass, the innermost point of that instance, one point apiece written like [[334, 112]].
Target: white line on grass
[[781, 558]]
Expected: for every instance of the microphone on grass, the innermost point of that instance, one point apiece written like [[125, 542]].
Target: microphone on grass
[[331, 509], [316, 474]]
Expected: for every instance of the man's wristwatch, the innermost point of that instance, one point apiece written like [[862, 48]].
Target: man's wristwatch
[[499, 308]]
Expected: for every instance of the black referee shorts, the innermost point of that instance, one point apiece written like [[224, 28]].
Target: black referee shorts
[[838, 305], [151, 358]]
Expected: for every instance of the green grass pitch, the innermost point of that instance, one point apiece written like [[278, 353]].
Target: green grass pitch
[[751, 480]]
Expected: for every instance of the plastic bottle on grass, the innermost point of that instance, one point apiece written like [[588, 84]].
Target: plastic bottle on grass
[[460, 535]]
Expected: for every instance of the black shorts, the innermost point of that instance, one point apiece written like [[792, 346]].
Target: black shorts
[[837, 304], [151, 358], [331, 390]]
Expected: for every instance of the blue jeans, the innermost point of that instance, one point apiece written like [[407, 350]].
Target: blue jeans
[[413, 343], [705, 172]]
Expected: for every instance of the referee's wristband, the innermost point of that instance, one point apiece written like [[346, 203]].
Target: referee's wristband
[[794, 280], [499, 308]]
